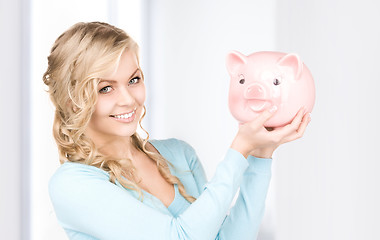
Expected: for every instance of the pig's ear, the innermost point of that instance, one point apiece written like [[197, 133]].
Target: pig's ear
[[293, 61], [234, 60]]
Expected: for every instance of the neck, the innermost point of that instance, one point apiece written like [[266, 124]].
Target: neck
[[117, 147]]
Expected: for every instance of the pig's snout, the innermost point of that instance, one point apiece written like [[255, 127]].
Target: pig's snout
[[257, 97], [255, 91]]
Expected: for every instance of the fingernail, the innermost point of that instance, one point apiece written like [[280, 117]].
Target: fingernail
[[273, 109]]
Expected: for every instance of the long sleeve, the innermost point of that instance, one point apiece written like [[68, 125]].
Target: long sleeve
[[90, 207], [245, 216]]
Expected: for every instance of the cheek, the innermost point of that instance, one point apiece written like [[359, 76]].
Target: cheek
[[102, 107], [236, 97], [139, 94], [236, 103]]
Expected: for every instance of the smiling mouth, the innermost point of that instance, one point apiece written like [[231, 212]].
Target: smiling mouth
[[124, 115], [257, 105]]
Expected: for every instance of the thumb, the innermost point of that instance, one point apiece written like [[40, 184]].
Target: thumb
[[266, 115]]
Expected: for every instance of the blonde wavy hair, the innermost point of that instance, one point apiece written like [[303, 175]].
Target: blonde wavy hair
[[78, 59]]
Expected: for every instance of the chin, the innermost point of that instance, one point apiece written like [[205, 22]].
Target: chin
[[126, 132]]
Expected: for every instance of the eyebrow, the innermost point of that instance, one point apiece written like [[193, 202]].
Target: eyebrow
[[113, 81]]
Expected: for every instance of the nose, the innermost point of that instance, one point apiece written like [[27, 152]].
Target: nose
[[255, 91], [124, 97]]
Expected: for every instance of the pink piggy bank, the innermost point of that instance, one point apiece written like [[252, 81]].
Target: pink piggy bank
[[265, 79]]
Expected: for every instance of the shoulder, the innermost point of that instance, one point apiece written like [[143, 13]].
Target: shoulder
[[173, 146], [185, 163], [170, 143], [175, 151], [71, 177], [77, 171]]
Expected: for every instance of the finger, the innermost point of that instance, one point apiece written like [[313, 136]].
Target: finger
[[295, 124], [292, 127], [298, 118], [301, 130], [266, 115], [305, 121]]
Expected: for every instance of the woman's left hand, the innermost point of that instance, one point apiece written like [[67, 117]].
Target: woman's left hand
[[292, 131]]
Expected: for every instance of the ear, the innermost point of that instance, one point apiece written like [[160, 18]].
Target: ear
[[233, 62], [293, 61]]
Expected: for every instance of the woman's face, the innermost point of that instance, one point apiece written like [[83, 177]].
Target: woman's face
[[121, 98]]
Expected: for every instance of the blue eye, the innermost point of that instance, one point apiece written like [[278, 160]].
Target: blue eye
[[105, 89], [134, 80]]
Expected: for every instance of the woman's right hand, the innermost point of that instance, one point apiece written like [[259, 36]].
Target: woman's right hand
[[254, 139]]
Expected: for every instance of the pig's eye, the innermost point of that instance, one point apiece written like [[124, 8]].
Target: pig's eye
[[276, 81], [242, 79]]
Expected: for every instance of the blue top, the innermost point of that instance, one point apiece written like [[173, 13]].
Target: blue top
[[89, 206]]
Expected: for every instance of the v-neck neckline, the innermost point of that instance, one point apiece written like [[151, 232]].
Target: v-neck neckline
[[176, 191]]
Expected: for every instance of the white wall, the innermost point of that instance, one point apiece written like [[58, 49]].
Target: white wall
[[325, 185], [328, 183], [10, 119], [186, 76]]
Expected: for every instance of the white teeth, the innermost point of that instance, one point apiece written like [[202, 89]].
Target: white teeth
[[124, 116]]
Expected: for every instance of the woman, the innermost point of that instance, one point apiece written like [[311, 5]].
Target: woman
[[114, 185]]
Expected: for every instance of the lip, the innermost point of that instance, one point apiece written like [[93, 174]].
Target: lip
[[125, 120], [257, 105]]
